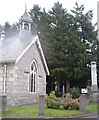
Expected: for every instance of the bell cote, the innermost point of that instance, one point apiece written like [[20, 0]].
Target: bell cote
[[25, 21]]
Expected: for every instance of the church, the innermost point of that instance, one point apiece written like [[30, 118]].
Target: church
[[23, 68]]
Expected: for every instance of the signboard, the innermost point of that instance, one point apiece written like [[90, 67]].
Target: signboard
[[84, 90]]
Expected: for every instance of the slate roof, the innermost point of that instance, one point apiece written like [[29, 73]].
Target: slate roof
[[26, 17], [12, 47]]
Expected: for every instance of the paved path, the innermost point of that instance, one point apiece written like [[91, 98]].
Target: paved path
[[94, 116], [91, 115]]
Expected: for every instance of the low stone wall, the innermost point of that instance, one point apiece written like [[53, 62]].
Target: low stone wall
[[18, 100], [93, 98], [22, 100]]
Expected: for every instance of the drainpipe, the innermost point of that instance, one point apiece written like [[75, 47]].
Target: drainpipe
[[5, 76]]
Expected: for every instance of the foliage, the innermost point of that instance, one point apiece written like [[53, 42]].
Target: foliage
[[1, 28], [72, 104], [53, 101], [62, 103], [67, 39], [75, 92], [10, 29], [89, 88], [69, 42], [67, 95], [97, 54]]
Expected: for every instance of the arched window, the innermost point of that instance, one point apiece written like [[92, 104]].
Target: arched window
[[33, 77], [26, 26]]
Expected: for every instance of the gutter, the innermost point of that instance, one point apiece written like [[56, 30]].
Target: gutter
[[7, 61]]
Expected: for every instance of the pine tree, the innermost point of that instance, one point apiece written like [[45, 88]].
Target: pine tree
[[66, 40]]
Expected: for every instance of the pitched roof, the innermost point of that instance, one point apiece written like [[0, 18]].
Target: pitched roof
[[25, 17], [12, 47]]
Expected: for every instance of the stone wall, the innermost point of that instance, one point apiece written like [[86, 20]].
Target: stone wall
[[21, 92], [17, 81], [93, 98], [10, 73], [9, 78]]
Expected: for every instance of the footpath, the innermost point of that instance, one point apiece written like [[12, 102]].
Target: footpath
[[89, 116]]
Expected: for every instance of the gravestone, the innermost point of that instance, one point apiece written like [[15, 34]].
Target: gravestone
[[41, 108]]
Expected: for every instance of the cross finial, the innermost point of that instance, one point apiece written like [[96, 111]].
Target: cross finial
[[25, 7]]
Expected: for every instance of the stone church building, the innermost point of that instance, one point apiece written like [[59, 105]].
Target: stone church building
[[23, 67]]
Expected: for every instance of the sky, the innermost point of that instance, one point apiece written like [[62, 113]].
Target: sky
[[11, 10]]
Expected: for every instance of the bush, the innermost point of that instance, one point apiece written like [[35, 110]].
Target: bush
[[89, 89], [53, 104], [71, 103], [63, 103], [67, 95], [53, 101], [75, 92]]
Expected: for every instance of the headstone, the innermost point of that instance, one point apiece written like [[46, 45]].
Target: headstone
[[41, 108], [83, 103]]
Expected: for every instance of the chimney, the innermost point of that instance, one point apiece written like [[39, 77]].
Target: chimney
[[2, 35]]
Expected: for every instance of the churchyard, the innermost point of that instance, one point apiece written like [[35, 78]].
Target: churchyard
[[69, 104], [32, 111], [51, 106], [70, 79]]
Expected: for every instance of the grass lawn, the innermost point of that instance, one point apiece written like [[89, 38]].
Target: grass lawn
[[92, 108], [32, 111]]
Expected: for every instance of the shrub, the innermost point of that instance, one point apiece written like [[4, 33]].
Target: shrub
[[63, 103], [71, 103], [67, 95], [75, 92], [75, 104], [53, 101], [53, 104], [89, 89]]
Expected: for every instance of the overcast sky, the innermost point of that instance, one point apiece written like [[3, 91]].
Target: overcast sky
[[11, 10]]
